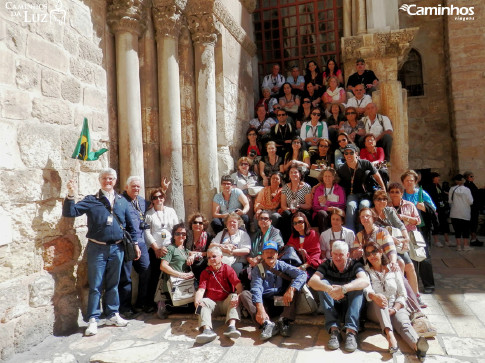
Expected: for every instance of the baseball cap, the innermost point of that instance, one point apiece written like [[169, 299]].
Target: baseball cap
[[360, 60], [270, 245], [350, 147]]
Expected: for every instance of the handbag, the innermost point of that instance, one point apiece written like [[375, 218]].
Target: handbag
[[128, 244], [396, 235], [181, 291], [417, 245]]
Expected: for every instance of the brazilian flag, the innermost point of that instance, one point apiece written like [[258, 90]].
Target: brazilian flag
[[83, 147]]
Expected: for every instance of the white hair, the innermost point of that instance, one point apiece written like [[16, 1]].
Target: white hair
[[132, 178], [340, 246], [108, 171], [216, 250]]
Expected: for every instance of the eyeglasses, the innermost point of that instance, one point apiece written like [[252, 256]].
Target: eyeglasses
[[374, 252], [342, 140], [316, 114], [296, 142], [351, 113], [227, 183], [381, 200], [306, 101], [349, 153], [155, 197], [198, 222], [213, 256], [281, 115], [264, 219], [298, 222], [325, 146], [183, 234], [244, 164], [252, 134]]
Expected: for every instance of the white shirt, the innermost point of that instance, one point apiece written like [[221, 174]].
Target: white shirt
[[109, 196], [460, 199], [345, 234], [354, 102], [269, 81], [307, 130], [240, 239], [376, 128], [161, 224]]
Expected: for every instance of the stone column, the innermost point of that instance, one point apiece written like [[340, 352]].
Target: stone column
[[347, 15], [361, 18], [204, 36], [167, 16], [125, 19], [382, 15]]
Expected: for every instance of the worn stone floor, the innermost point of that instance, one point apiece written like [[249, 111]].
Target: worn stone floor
[[457, 309]]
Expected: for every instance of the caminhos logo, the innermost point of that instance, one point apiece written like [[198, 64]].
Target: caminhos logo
[[460, 12]]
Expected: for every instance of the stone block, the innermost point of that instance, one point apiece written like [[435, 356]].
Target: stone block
[[14, 300], [7, 342], [15, 104], [98, 121], [198, 354], [47, 54], [36, 139], [50, 83], [7, 75], [95, 98], [58, 253], [71, 90], [100, 77], [225, 161], [11, 154], [82, 70], [69, 42], [90, 51], [464, 347], [81, 22], [16, 39], [41, 291], [52, 111], [129, 351]]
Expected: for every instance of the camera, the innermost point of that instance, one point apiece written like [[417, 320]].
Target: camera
[[144, 225]]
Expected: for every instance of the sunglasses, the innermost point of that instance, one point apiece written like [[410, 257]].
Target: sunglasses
[[349, 153], [381, 200], [155, 197], [316, 114], [281, 114], [342, 140], [298, 222], [374, 252], [306, 101], [197, 222], [351, 113], [325, 146], [213, 256], [264, 219], [296, 142], [180, 234]]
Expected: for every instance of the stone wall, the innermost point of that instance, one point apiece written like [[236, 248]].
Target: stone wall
[[52, 75]]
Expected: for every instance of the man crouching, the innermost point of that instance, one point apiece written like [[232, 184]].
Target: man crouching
[[217, 283], [275, 286]]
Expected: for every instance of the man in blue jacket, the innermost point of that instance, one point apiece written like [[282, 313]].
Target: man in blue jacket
[[275, 286], [137, 206], [104, 249]]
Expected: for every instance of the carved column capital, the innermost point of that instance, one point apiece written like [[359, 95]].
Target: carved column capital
[[250, 5], [127, 16], [202, 27], [167, 16]]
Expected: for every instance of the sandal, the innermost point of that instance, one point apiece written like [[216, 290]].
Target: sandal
[[393, 350]]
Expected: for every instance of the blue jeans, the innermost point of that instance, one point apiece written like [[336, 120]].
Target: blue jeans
[[142, 268], [104, 264], [355, 202], [351, 305]]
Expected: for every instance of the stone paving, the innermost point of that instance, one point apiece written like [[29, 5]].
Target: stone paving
[[457, 309]]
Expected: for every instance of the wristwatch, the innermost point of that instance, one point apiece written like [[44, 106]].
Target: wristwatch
[[344, 289]]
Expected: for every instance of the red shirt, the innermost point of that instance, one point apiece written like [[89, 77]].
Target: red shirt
[[378, 156], [213, 290], [311, 245]]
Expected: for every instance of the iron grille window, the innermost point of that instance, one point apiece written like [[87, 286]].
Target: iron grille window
[[411, 74], [291, 32]]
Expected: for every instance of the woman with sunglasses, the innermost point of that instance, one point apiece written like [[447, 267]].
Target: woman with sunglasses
[[304, 112], [175, 263], [297, 155], [312, 94], [354, 127], [387, 298], [306, 243], [334, 120], [314, 130], [343, 140], [323, 157], [198, 241], [385, 216]]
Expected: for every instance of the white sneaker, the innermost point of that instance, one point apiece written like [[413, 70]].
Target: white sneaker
[[92, 328], [117, 320], [439, 244]]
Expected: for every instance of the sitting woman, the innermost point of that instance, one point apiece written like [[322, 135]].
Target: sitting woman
[[334, 119], [371, 152], [336, 232], [306, 243], [289, 101], [313, 130], [198, 241], [314, 76], [235, 243], [269, 199], [175, 263], [387, 298], [304, 112], [343, 140], [267, 101], [353, 127], [298, 155], [326, 197], [334, 93], [312, 94], [247, 181], [270, 163], [332, 70], [252, 148], [323, 157], [295, 196]]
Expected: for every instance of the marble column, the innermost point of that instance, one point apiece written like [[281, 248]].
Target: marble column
[[347, 17], [204, 37], [167, 17], [361, 17], [125, 20]]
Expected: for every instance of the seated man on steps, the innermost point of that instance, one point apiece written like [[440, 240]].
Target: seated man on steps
[[216, 296], [275, 286]]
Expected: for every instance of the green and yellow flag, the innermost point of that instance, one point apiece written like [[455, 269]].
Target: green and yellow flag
[[83, 147]]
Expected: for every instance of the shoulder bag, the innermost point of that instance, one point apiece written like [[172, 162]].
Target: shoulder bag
[[181, 291], [417, 245], [128, 244]]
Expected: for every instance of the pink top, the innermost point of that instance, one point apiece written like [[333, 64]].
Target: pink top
[[378, 156], [339, 196], [410, 210], [311, 245]]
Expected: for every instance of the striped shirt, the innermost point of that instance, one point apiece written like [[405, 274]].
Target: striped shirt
[[380, 236], [299, 195]]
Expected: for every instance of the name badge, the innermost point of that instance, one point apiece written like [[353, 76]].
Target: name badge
[[109, 221], [333, 198]]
